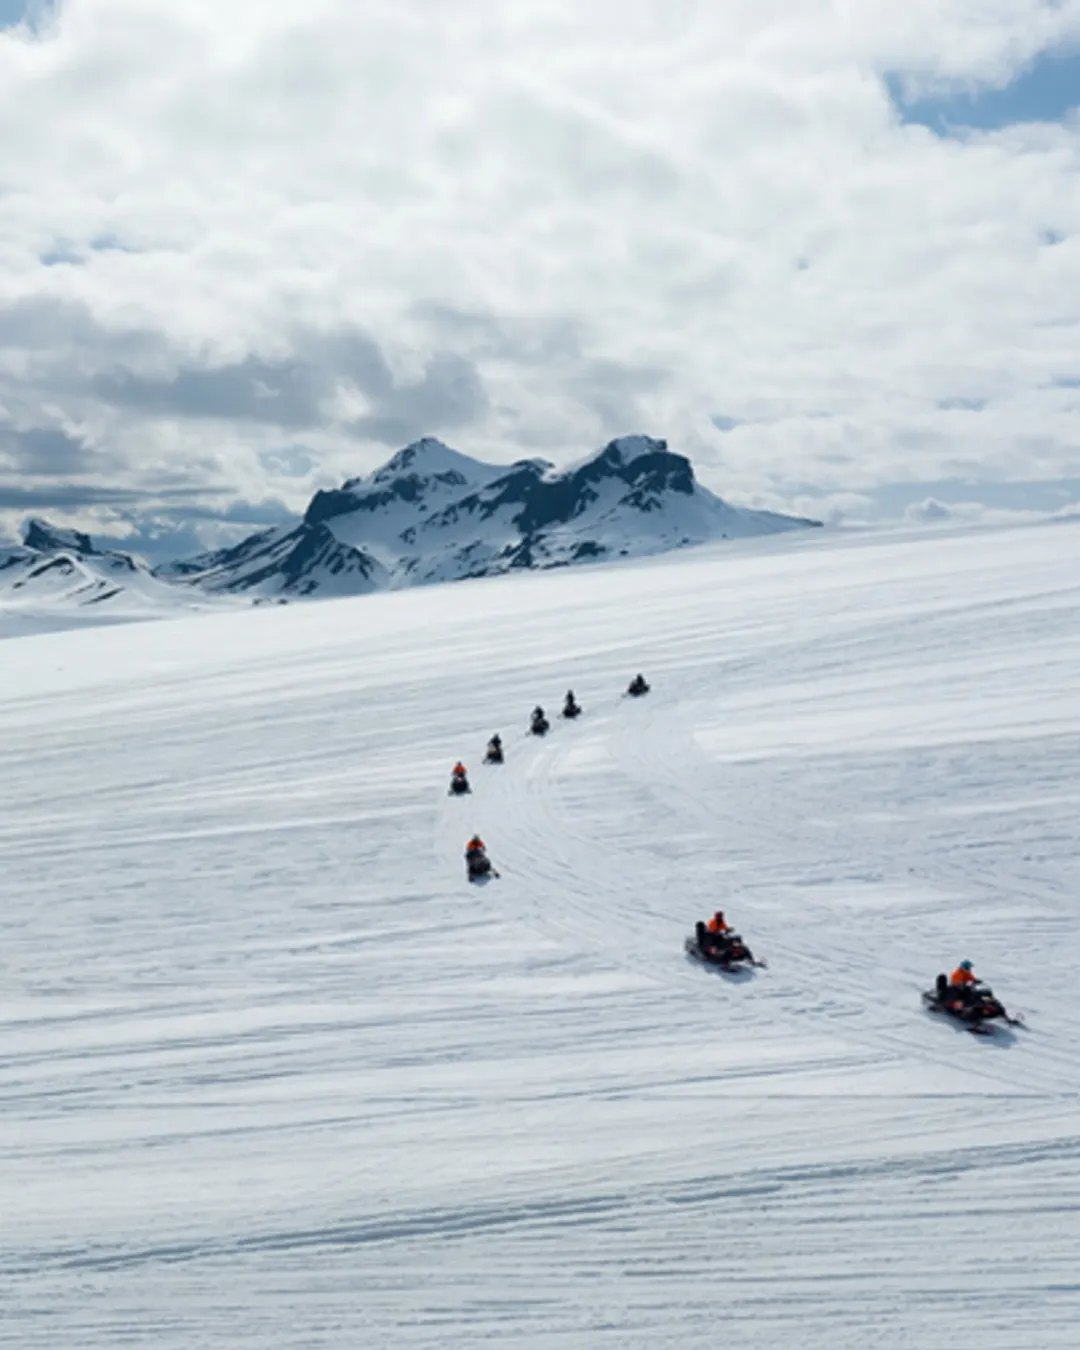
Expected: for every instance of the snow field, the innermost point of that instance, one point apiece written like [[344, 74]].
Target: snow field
[[274, 1074]]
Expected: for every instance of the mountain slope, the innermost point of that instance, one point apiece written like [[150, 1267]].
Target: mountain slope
[[432, 514], [57, 578], [276, 1076]]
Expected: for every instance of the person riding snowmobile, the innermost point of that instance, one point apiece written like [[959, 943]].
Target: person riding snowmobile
[[459, 779], [964, 996], [477, 862], [571, 707], [539, 723], [494, 750], [717, 943], [717, 935], [638, 685]]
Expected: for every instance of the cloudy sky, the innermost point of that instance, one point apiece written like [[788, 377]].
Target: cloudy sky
[[828, 248]]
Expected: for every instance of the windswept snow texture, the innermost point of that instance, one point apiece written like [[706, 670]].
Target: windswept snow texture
[[273, 1074]]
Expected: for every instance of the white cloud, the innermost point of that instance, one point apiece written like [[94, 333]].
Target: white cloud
[[528, 227]]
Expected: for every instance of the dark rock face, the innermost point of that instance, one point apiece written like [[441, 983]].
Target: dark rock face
[[46, 538]]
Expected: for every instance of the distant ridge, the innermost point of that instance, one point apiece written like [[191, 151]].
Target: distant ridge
[[432, 514]]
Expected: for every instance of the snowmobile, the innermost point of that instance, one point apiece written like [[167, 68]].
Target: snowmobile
[[539, 726], [494, 753], [459, 784], [478, 865], [726, 950], [973, 1005], [637, 686], [571, 708]]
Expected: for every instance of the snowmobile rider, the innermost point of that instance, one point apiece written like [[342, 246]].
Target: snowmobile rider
[[474, 846], [495, 743], [717, 933], [638, 685], [963, 977], [571, 707], [459, 770]]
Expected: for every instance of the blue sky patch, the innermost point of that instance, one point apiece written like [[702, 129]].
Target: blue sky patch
[[1046, 92], [14, 11]]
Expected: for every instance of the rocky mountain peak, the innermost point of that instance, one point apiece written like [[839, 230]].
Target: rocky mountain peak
[[46, 538]]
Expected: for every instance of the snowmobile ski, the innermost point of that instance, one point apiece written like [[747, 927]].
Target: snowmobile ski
[[724, 961], [977, 1010]]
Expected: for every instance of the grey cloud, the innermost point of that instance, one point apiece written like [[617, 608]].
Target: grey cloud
[[349, 352], [959, 403], [42, 323], [291, 461], [284, 393], [451, 394], [555, 345], [56, 257], [44, 451], [71, 496], [293, 393], [612, 391], [526, 338], [46, 324]]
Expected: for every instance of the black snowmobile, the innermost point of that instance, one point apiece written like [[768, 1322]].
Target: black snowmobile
[[973, 1005], [539, 725], [494, 753], [478, 864], [637, 686], [726, 950], [571, 707], [459, 784]]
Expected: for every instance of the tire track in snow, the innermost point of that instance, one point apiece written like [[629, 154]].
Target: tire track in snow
[[602, 906], [556, 847], [651, 753]]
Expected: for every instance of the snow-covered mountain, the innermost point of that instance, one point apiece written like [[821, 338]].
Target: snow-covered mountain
[[65, 565], [58, 577], [429, 514], [432, 514]]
